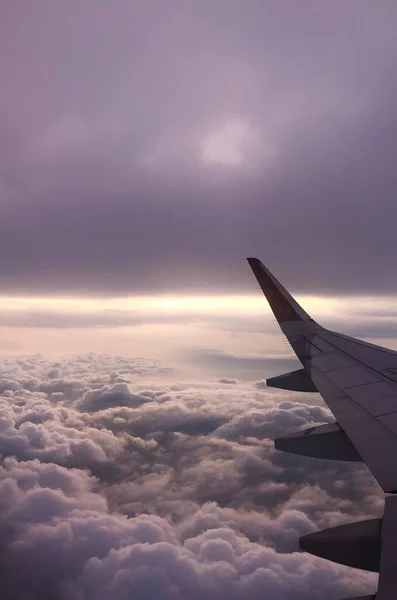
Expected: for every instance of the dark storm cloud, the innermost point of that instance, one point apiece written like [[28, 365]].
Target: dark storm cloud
[[104, 107], [153, 507]]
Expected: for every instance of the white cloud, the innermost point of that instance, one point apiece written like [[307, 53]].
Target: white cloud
[[134, 487]]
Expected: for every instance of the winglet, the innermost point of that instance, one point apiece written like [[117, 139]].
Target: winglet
[[283, 305]]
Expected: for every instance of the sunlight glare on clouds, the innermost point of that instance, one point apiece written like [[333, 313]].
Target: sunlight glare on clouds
[[202, 304], [165, 326], [157, 325], [168, 303], [226, 144]]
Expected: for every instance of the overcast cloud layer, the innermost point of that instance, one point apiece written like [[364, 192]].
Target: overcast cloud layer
[[151, 146], [114, 487]]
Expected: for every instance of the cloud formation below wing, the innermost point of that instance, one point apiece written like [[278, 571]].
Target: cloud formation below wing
[[147, 489]]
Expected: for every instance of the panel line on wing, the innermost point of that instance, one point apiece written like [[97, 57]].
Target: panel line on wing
[[363, 344], [383, 375], [385, 414], [365, 384], [346, 394]]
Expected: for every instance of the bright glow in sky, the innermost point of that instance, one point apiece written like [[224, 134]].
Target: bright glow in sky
[[170, 328], [226, 144], [224, 304]]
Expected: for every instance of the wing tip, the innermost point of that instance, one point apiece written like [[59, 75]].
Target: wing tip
[[253, 259], [284, 307]]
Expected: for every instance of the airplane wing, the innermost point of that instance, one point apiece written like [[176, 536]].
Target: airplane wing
[[358, 382]]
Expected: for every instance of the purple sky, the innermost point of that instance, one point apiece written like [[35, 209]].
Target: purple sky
[[151, 146], [146, 148]]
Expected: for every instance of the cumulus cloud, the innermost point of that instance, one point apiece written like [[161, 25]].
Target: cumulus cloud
[[118, 394], [98, 555], [136, 488]]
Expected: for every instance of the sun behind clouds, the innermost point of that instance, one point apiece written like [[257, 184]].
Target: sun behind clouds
[[227, 144]]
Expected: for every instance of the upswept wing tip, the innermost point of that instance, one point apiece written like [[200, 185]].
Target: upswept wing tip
[[283, 305]]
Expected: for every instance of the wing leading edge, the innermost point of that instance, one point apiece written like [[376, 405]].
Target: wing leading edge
[[358, 382]]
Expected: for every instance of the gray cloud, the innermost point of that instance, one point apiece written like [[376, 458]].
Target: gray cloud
[[98, 555], [134, 487], [88, 319], [55, 318], [102, 185], [118, 394], [242, 366], [369, 328]]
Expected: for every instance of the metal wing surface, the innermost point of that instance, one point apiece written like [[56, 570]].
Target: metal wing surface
[[358, 382]]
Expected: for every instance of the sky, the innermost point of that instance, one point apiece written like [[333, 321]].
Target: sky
[[146, 148]]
